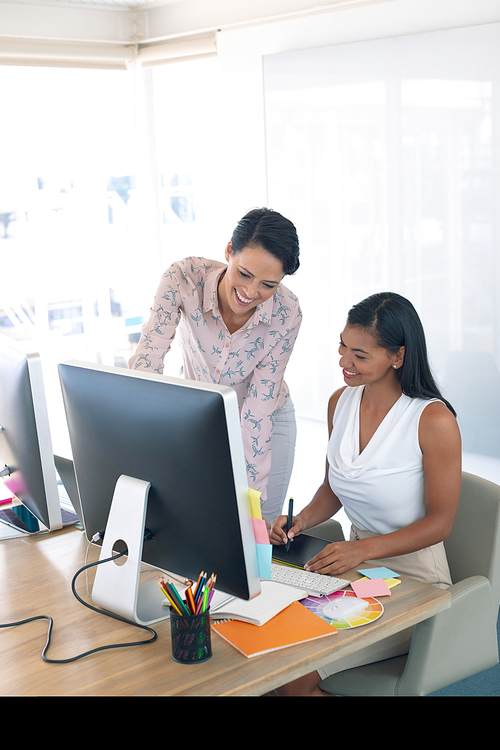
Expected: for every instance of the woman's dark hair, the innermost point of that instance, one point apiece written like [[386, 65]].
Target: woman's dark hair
[[393, 322], [268, 228]]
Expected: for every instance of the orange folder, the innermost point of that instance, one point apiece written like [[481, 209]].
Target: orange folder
[[294, 624]]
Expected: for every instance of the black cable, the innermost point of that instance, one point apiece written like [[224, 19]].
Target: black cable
[[95, 609]]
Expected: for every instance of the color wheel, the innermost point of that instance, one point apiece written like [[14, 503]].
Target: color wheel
[[362, 617]]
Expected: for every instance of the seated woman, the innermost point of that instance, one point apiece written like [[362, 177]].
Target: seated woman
[[393, 463]]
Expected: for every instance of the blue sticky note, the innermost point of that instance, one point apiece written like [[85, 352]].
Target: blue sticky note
[[378, 573], [264, 555]]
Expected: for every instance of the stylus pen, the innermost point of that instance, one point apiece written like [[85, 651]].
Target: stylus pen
[[221, 604], [290, 523]]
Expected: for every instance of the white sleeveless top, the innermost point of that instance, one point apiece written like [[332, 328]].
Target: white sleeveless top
[[381, 489]]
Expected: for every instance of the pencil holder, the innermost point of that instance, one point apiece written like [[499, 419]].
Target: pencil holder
[[191, 637]]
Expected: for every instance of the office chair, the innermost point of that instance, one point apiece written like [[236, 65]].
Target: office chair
[[462, 640]]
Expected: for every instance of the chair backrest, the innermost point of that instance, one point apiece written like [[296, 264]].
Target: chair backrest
[[473, 547]]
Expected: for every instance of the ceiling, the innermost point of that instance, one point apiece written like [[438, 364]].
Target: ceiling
[[120, 4], [26, 24]]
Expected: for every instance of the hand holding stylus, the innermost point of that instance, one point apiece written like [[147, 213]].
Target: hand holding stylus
[[285, 528]]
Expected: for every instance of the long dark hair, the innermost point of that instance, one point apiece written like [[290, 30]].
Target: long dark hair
[[270, 230], [393, 322]]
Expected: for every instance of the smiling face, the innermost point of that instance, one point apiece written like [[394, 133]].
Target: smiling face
[[363, 361], [252, 276]]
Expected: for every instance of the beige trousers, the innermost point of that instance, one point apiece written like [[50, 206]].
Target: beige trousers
[[428, 565]]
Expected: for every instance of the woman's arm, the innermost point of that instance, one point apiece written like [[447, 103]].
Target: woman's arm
[[440, 443], [159, 330]]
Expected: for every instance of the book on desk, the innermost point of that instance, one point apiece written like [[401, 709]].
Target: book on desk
[[293, 625], [273, 620]]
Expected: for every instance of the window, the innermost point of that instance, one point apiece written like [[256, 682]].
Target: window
[[70, 243], [86, 180], [191, 165], [383, 153]]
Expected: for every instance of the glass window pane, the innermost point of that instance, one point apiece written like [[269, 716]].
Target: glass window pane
[[190, 159], [383, 153], [70, 236]]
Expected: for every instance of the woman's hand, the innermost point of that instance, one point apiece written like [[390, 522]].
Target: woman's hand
[[337, 558], [278, 535]]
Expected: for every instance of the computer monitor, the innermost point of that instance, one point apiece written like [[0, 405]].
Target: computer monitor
[[27, 462], [165, 455]]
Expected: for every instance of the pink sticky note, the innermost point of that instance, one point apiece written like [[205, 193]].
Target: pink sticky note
[[260, 531], [372, 587]]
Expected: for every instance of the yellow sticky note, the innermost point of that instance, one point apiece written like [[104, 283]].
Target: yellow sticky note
[[391, 582], [254, 496]]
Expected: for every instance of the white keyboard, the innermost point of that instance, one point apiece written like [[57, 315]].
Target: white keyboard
[[314, 583]]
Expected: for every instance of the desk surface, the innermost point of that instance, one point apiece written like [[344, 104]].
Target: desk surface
[[36, 579]]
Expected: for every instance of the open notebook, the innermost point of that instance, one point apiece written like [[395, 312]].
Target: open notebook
[[273, 598]]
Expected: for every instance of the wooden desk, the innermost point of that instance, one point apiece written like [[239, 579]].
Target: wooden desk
[[36, 579]]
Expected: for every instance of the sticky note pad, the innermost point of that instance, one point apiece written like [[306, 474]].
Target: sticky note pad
[[370, 587], [260, 531], [391, 582], [264, 554], [254, 496], [378, 573]]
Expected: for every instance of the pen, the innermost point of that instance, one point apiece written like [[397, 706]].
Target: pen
[[223, 602], [290, 523]]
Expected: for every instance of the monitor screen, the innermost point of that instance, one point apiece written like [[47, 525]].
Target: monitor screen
[[26, 457], [182, 437]]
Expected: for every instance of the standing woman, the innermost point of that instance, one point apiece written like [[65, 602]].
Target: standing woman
[[238, 325], [393, 463]]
